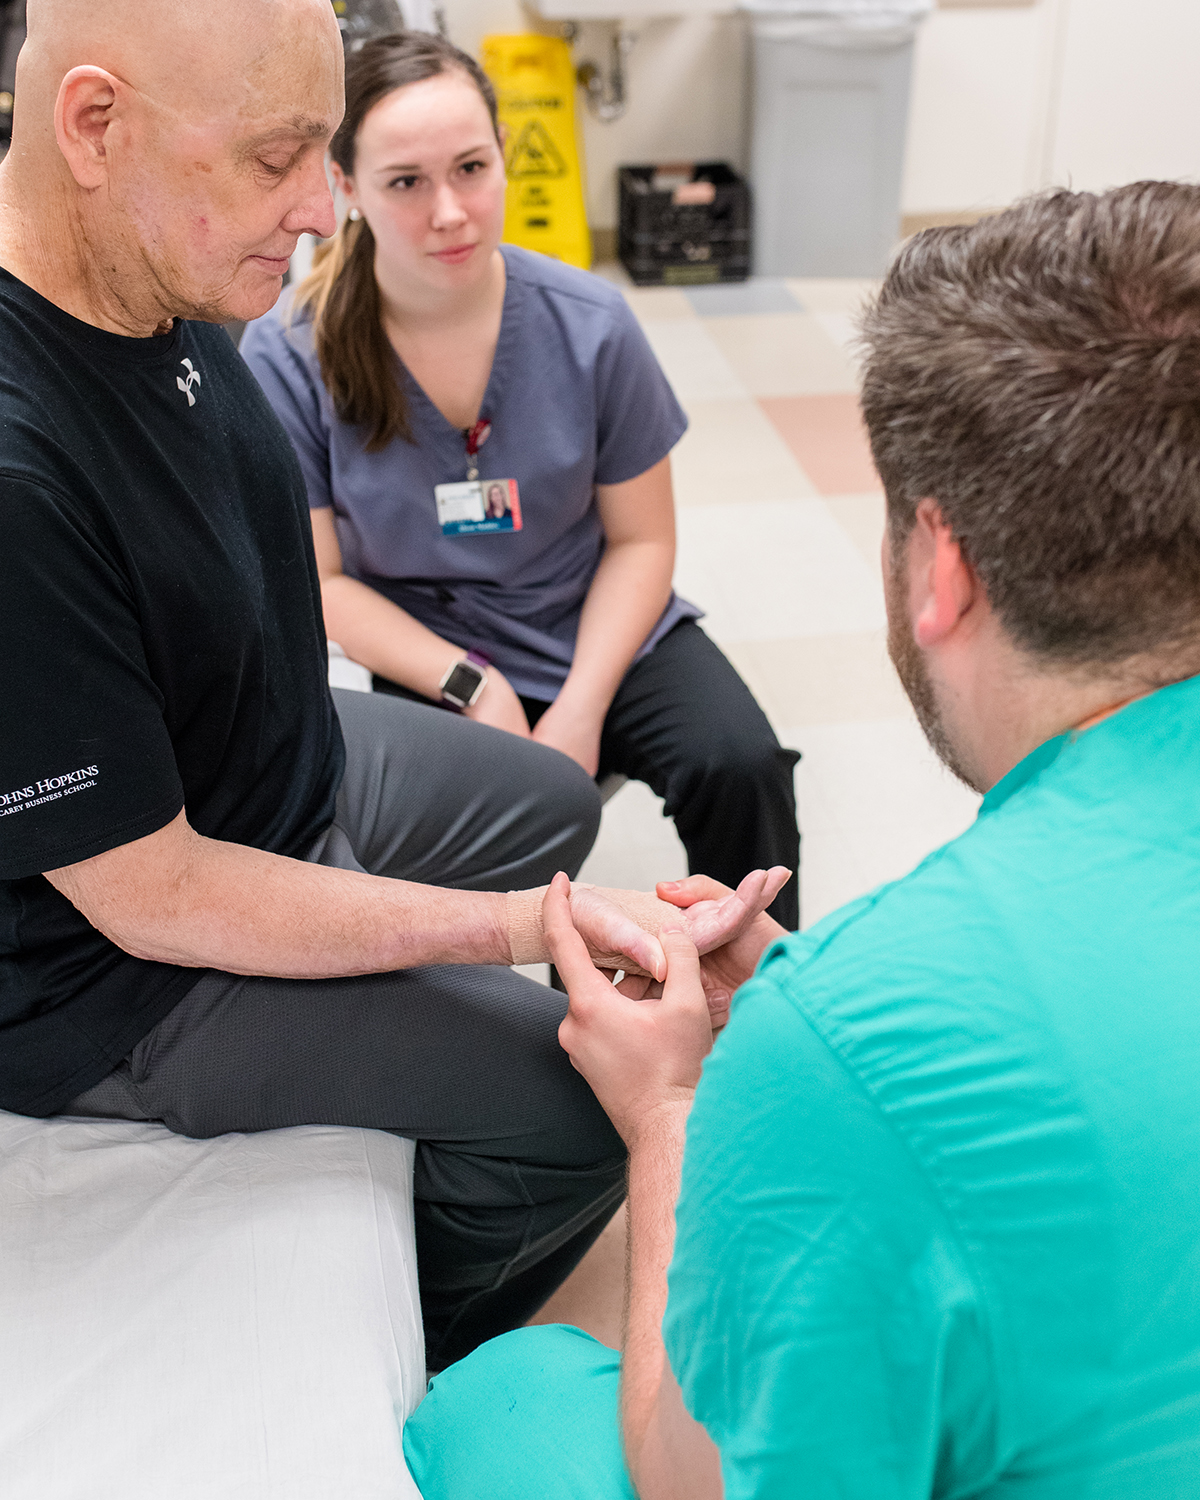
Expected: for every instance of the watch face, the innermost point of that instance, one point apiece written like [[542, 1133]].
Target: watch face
[[462, 682]]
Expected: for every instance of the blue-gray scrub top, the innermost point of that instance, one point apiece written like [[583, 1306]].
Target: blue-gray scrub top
[[576, 398]]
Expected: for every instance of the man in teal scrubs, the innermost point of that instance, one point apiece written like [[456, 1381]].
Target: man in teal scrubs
[[939, 1225]]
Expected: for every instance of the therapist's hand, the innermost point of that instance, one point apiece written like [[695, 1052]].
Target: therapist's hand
[[637, 1055], [574, 729], [499, 706]]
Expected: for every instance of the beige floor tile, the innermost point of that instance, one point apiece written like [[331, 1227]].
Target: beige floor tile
[[846, 295], [874, 801], [783, 354], [862, 517], [842, 328], [829, 679], [769, 570], [732, 451], [658, 302], [692, 360]]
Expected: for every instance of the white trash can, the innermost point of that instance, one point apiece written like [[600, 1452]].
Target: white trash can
[[831, 88]]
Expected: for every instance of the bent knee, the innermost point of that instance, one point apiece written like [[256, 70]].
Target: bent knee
[[534, 1412], [568, 803], [749, 762]]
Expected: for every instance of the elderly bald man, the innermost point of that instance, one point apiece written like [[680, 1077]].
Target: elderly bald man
[[188, 926]]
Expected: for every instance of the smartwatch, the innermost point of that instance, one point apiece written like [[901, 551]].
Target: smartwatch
[[464, 681]]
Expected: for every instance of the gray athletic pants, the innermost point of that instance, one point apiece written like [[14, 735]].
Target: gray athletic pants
[[517, 1167]]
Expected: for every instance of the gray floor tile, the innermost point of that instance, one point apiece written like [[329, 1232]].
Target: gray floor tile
[[761, 294]]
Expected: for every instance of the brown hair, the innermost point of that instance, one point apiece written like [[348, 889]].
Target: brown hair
[[1038, 375], [340, 295]]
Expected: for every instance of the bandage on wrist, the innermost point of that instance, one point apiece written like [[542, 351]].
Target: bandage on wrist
[[526, 937]]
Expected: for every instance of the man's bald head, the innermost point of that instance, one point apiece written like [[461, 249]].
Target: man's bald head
[[187, 134], [209, 58]]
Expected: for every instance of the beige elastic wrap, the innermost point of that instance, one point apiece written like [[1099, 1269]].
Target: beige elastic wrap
[[527, 941]]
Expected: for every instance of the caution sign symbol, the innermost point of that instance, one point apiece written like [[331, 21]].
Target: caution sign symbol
[[535, 154]]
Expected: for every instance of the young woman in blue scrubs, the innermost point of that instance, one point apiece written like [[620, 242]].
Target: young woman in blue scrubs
[[420, 365]]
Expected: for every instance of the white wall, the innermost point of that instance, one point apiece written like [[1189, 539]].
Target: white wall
[[979, 92], [1082, 92], [687, 99], [1129, 98], [1005, 100]]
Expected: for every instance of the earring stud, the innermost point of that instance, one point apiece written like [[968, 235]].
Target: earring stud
[[354, 216]]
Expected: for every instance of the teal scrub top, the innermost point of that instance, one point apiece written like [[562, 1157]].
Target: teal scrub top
[[939, 1233]]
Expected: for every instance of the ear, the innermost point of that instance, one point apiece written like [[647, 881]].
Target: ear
[[88, 100], [943, 586], [343, 185]]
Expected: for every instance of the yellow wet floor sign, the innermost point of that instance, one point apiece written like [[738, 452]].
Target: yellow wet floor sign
[[534, 79]]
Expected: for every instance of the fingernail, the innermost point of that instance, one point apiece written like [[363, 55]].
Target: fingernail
[[669, 885], [669, 926]]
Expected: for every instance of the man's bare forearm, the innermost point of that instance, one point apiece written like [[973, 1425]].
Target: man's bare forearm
[[179, 898]]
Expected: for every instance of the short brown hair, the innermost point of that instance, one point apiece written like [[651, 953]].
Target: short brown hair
[[1038, 375], [341, 296]]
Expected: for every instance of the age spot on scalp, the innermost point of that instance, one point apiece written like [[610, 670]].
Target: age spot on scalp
[[202, 166]]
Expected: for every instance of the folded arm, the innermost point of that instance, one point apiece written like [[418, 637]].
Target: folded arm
[[386, 639]]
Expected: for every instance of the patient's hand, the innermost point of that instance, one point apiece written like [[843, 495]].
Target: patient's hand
[[726, 965], [713, 917], [573, 731]]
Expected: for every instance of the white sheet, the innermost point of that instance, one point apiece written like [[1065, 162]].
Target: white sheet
[[234, 1319]]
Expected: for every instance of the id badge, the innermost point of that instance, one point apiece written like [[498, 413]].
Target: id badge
[[474, 507]]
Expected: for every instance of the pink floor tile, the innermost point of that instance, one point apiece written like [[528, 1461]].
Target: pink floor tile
[[827, 436]]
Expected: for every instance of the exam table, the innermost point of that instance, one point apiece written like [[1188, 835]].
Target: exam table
[[228, 1319]]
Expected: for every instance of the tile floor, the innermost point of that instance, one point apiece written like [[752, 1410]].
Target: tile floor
[[780, 524]]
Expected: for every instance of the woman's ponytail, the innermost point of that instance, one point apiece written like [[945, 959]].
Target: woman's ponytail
[[358, 364]]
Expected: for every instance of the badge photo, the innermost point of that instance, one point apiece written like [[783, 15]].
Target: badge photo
[[477, 507]]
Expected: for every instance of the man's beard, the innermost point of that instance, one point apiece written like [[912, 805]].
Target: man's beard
[[909, 662]]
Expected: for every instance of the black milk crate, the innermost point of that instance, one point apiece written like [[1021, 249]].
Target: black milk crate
[[669, 235]]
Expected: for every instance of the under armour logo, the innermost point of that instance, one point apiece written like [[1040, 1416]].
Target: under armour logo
[[186, 385]]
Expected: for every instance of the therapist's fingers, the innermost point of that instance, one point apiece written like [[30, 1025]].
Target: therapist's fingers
[[567, 948]]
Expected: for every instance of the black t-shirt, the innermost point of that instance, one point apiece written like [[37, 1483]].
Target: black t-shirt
[[161, 646]]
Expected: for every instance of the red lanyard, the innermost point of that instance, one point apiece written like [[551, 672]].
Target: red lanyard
[[476, 437]]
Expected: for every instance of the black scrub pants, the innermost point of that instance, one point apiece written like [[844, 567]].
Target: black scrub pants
[[686, 724], [517, 1167]]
